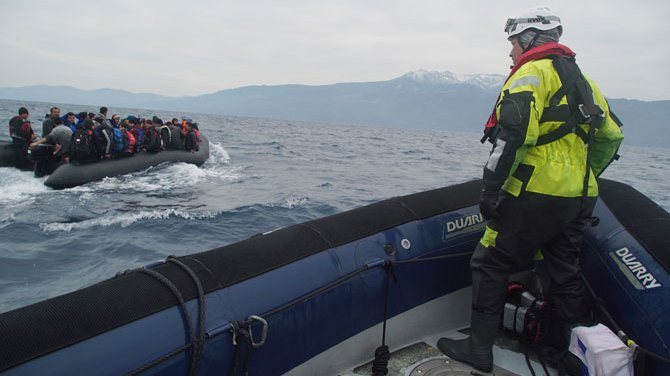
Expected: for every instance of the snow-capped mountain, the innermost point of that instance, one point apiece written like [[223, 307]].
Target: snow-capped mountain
[[419, 99], [484, 81]]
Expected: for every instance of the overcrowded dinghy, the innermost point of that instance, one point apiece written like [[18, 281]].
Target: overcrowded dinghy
[[311, 299]]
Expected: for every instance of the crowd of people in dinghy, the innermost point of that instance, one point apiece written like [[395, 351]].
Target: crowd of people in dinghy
[[88, 137]]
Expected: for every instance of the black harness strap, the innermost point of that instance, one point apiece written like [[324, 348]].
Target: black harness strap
[[580, 108]]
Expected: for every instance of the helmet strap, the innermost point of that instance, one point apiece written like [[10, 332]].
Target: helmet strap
[[531, 44]]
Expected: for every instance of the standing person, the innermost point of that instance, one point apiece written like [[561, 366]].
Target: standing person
[[20, 128], [48, 123], [102, 118], [550, 142], [22, 135], [105, 137]]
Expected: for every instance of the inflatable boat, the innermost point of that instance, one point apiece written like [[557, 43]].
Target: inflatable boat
[[9, 156], [318, 298], [71, 174]]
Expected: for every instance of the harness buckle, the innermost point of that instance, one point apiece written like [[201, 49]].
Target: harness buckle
[[589, 111], [264, 332]]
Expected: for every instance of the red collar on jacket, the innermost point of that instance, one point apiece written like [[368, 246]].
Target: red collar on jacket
[[536, 53]]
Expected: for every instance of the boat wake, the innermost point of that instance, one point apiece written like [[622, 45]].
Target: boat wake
[[125, 219]]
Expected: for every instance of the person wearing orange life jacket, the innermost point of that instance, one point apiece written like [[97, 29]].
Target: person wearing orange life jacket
[[553, 133]]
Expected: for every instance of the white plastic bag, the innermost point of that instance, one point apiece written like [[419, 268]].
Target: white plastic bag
[[601, 351]]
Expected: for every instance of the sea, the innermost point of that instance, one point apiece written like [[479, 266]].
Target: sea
[[262, 174]]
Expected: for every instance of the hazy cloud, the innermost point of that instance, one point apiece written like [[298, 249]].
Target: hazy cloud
[[188, 48]]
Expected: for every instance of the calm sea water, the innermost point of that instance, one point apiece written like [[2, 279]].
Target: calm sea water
[[262, 174]]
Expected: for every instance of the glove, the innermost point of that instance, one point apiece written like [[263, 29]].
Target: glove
[[488, 202]]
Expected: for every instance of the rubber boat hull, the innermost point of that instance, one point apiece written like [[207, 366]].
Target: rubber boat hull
[[8, 156], [320, 286], [72, 175]]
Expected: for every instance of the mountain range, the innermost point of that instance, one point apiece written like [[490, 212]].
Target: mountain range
[[419, 99]]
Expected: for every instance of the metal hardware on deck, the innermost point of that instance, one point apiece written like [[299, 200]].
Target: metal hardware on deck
[[264, 332]]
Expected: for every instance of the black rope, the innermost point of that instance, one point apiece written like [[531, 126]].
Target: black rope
[[240, 332], [435, 258], [530, 366], [182, 304], [196, 344], [199, 343], [382, 354], [235, 328], [544, 366], [345, 278]]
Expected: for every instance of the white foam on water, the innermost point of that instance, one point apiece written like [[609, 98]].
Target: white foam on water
[[19, 187], [217, 155], [289, 203], [125, 219], [166, 176]]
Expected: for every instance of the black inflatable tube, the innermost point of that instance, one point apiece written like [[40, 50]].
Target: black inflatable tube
[[8, 157], [72, 175]]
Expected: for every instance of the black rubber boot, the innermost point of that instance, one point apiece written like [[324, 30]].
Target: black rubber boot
[[476, 350]]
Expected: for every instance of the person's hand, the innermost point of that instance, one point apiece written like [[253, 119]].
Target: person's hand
[[488, 203]]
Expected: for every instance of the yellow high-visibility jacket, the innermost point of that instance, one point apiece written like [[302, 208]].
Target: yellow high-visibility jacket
[[556, 168]]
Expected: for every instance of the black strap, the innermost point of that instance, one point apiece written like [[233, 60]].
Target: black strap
[[580, 103], [556, 113]]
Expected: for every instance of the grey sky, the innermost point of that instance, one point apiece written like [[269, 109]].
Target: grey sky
[[196, 47]]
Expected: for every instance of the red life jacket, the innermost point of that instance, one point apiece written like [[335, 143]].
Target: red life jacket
[[535, 53], [131, 141]]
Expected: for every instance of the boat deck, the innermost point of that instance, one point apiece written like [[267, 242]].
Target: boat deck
[[424, 359]]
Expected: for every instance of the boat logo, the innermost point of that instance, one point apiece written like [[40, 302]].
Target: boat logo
[[638, 275], [463, 225]]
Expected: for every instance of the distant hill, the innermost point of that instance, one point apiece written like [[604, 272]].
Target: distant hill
[[420, 99]]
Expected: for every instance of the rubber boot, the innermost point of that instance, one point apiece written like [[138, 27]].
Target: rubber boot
[[476, 350]]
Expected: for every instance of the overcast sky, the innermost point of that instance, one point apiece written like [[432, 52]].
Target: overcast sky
[[195, 47]]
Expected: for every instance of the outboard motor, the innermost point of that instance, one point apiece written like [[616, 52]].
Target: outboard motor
[[43, 157]]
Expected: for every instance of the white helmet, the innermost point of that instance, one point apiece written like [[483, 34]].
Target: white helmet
[[540, 18]]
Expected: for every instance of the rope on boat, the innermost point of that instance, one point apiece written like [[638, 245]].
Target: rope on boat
[[241, 330], [196, 344], [382, 353]]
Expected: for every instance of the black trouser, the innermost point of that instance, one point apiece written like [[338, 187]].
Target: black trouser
[[527, 224]]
